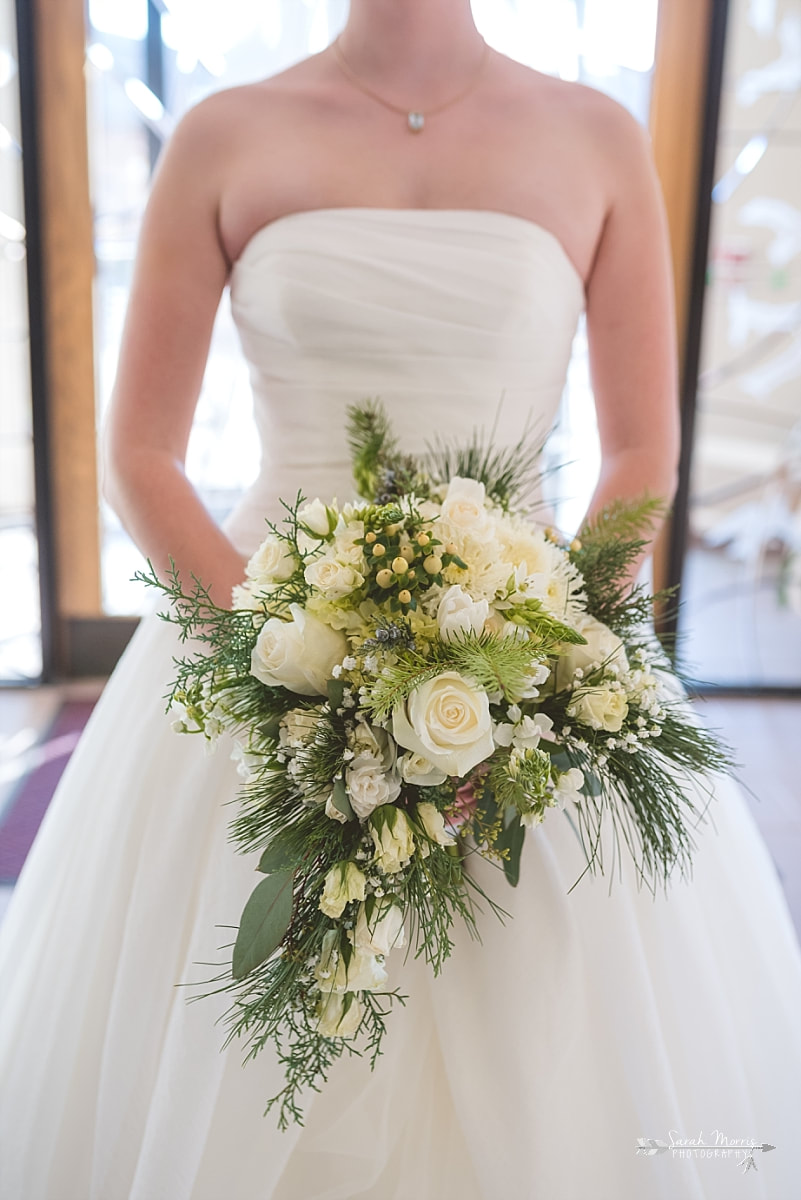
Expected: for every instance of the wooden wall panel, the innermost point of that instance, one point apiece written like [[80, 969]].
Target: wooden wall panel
[[676, 125], [68, 268]]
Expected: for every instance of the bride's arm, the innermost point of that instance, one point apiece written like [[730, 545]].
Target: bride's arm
[[631, 324], [180, 272]]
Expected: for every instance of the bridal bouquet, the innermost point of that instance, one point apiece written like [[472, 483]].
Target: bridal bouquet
[[410, 679]]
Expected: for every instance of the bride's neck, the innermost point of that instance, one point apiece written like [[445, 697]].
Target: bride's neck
[[411, 41]]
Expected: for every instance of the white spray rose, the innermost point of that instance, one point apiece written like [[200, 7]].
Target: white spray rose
[[332, 578], [392, 838], [369, 785], [317, 517], [416, 769], [447, 720], [464, 508], [433, 823], [459, 613], [299, 654], [334, 1020], [602, 647], [343, 883], [272, 562], [600, 708], [362, 972], [383, 931]]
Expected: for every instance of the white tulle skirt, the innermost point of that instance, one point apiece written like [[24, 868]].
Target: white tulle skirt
[[528, 1069]]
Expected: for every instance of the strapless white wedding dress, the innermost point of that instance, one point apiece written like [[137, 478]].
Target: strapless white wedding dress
[[530, 1068]]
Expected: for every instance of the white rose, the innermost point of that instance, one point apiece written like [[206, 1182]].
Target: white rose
[[600, 708], [384, 930], [343, 883], [602, 647], [369, 785], [392, 838], [298, 654], [459, 613], [316, 517], [464, 508], [297, 726], [416, 769], [333, 1019], [272, 562], [447, 720], [433, 823], [332, 578]]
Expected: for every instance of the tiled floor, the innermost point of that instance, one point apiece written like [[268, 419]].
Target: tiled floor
[[766, 735]]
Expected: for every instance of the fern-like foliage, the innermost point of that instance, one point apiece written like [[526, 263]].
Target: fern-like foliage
[[606, 547], [509, 473]]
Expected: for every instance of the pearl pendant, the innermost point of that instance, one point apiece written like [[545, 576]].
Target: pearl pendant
[[416, 121]]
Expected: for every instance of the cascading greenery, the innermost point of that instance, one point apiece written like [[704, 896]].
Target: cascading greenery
[[360, 815]]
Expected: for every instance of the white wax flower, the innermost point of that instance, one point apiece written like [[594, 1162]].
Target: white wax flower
[[447, 720], [299, 654], [459, 613]]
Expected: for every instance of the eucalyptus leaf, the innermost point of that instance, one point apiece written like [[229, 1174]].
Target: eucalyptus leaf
[[280, 855], [340, 801], [512, 839], [264, 922]]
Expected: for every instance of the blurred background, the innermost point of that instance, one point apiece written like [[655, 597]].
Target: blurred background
[[89, 92]]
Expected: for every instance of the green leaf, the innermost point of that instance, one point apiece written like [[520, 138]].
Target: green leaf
[[264, 922], [512, 839], [340, 801], [280, 855], [336, 693]]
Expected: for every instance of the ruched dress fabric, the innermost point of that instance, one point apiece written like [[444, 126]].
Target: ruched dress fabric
[[531, 1066]]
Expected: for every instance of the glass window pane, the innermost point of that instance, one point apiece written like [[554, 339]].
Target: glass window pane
[[20, 616]]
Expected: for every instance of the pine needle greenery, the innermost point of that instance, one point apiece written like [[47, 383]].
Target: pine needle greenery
[[343, 863]]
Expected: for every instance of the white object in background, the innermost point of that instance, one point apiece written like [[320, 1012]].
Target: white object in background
[[783, 219], [781, 75], [748, 316], [762, 16]]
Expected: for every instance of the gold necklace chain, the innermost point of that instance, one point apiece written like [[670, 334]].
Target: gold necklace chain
[[415, 117]]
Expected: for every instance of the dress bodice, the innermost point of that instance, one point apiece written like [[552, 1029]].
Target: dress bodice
[[455, 319]]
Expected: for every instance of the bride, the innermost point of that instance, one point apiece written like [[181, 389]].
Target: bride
[[411, 215]]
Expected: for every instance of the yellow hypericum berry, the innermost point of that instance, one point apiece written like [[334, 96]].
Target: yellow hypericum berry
[[391, 530], [369, 537], [551, 534], [423, 539], [575, 544], [412, 574], [378, 550], [385, 578], [405, 596], [400, 565], [408, 553], [432, 564], [450, 548]]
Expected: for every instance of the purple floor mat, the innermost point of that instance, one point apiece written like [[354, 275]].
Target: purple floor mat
[[24, 815]]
